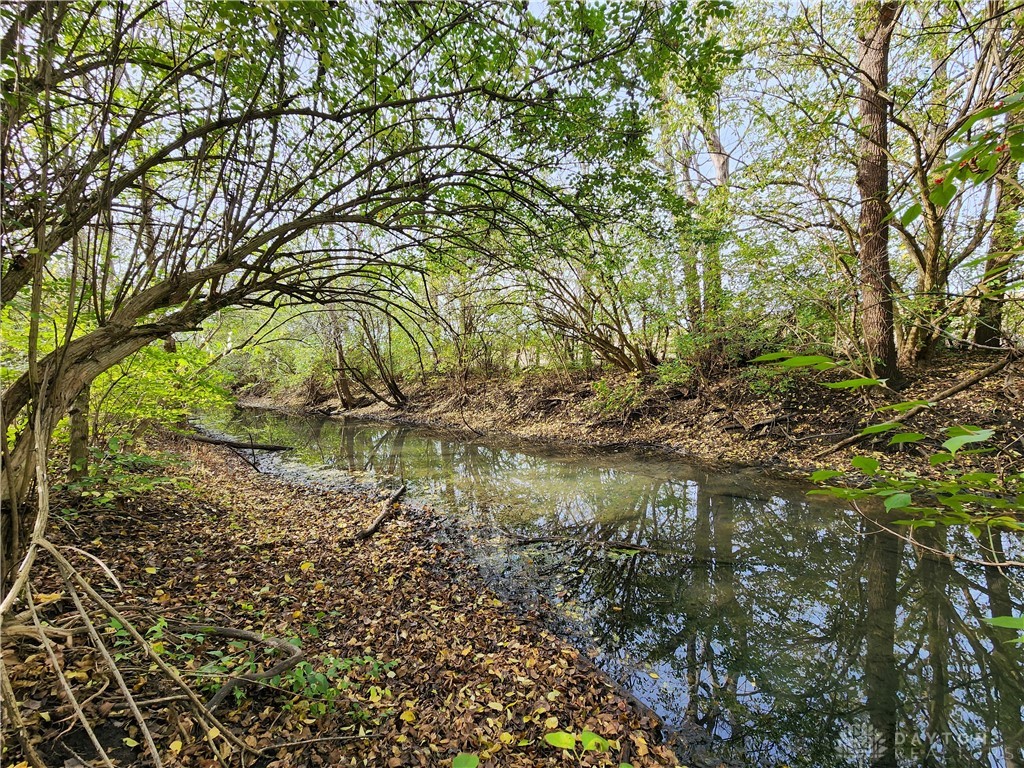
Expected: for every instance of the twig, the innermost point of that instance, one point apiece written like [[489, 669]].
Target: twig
[[100, 563], [956, 389], [157, 659], [390, 510], [147, 735], [293, 656], [300, 742]]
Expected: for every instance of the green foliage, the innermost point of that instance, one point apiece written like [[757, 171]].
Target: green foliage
[[317, 687], [158, 386], [959, 496], [1009, 622], [117, 474], [588, 742], [768, 382], [619, 398], [674, 374]]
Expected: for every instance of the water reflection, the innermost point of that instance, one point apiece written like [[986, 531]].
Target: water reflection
[[765, 628]]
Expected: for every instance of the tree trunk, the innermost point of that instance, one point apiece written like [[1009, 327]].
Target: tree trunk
[[881, 679], [875, 24], [1003, 242], [718, 200], [78, 460], [341, 383]]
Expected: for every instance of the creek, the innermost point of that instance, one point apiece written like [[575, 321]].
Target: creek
[[766, 627]]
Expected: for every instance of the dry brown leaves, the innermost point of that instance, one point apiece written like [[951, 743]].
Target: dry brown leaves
[[451, 668]]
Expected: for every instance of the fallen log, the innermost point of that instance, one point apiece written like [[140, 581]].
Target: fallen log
[[237, 444]]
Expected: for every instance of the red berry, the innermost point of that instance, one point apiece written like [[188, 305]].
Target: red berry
[[938, 179]]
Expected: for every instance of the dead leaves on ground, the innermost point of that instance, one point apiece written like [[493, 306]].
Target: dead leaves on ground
[[423, 660]]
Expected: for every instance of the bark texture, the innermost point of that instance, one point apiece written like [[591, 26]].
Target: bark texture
[[875, 24]]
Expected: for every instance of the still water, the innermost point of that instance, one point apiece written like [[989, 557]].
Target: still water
[[765, 627]]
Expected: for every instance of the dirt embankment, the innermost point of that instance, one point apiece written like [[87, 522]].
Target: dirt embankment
[[788, 424]]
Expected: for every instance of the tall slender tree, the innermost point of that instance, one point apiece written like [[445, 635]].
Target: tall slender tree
[[875, 24]]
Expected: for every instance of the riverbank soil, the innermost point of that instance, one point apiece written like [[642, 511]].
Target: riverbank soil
[[781, 420], [408, 659]]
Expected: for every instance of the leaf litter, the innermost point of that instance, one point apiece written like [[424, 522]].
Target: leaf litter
[[408, 657]]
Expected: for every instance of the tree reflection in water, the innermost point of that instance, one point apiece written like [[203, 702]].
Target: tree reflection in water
[[771, 630]]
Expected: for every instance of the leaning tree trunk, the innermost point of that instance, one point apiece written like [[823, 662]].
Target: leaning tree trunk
[[875, 24], [1003, 243]]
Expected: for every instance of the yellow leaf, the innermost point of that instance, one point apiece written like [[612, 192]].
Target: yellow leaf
[[150, 570], [318, 586], [50, 597], [305, 566], [297, 614], [213, 733], [506, 738], [654, 675], [641, 745], [551, 723], [176, 746], [408, 716], [130, 742], [496, 706]]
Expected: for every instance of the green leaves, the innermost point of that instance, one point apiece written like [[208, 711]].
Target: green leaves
[[789, 360], [560, 740], [906, 437], [592, 742], [965, 436], [589, 741], [875, 429], [1006, 622], [465, 760], [910, 214], [825, 474], [854, 383], [865, 464], [897, 501]]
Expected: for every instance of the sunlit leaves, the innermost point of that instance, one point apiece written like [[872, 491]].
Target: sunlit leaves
[[560, 740], [906, 437], [865, 464], [961, 436], [854, 383]]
